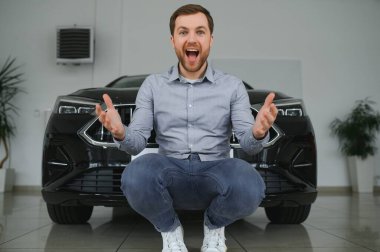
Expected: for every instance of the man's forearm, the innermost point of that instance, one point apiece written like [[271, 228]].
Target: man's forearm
[[132, 143], [252, 145]]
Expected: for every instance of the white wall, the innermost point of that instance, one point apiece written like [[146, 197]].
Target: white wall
[[336, 41]]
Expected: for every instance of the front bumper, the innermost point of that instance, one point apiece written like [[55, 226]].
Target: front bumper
[[88, 199], [101, 187]]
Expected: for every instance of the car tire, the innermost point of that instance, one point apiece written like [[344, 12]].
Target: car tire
[[69, 214], [288, 215]]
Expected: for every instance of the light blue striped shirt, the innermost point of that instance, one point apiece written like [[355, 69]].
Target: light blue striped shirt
[[192, 117]]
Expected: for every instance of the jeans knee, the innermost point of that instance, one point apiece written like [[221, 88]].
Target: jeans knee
[[124, 182], [139, 174], [249, 188]]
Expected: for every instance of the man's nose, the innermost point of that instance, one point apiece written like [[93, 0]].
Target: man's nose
[[192, 37]]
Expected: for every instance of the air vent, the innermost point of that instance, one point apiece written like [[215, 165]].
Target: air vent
[[276, 183], [75, 45], [100, 181]]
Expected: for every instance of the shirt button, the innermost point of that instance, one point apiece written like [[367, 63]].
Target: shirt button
[[190, 145], [190, 125], [190, 105]]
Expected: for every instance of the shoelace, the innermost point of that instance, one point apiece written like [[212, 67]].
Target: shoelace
[[173, 242], [214, 239]]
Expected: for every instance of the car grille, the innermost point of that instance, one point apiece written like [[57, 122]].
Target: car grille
[[107, 181], [94, 133]]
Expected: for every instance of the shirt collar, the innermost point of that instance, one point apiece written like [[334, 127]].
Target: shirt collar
[[209, 75]]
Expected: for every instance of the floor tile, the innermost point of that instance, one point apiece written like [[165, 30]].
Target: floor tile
[[58, 250], [308, 250], [337, 223]]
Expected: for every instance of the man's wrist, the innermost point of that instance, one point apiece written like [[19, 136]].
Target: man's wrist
[[119, 137], [261, 137]]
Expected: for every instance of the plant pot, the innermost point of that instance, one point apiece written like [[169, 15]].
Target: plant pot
[[6, 179], [361, 173]]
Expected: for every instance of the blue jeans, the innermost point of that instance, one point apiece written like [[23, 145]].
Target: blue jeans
[[156, 185]]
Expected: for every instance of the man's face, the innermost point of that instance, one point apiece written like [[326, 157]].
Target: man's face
[[192, 41]]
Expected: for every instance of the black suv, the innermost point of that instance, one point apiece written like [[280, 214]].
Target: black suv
[[81, 166]]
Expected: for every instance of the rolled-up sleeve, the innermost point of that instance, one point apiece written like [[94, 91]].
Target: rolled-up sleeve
[[250, 144], [242, 122], [139, 130]]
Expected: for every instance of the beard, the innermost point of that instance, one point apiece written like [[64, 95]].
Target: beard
[[192, 66]]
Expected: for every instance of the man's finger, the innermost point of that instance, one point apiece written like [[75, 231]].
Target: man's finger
[[108, 101], [98, 109], [269, 100], [270, 119], [102, 117], [273, 109]]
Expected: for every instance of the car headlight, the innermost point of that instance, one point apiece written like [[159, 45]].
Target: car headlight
[[290, 112], [66, 105], [290, 108], [287, 107]]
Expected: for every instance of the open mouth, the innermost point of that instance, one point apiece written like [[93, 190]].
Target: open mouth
[[192, 54]]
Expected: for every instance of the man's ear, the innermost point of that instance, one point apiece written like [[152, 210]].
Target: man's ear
[[212, 40], [172, 40]]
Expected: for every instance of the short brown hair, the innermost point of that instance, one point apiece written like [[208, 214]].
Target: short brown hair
[[188, 10]]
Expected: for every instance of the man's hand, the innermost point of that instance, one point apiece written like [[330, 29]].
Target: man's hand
[[265, 117], [111, 119]]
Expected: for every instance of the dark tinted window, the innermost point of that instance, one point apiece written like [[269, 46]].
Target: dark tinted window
[[128, 82], [247, 86]]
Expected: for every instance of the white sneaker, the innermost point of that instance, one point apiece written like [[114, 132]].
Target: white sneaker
[[173, 241], [214, 240]]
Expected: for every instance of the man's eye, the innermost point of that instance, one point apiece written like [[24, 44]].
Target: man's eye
[[182, 33], [200, 32]]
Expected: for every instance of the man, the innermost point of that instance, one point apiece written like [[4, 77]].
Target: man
[[193, 109]]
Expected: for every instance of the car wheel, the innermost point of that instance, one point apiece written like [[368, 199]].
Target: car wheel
[[288, 215], [69, 214]]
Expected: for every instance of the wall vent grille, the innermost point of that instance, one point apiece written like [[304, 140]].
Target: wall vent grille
[[75, 45]]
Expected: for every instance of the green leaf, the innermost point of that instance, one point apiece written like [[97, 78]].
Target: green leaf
[[10, 80], [357, 131]]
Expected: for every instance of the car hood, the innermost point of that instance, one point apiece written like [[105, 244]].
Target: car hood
[[128, 95], [118, 95], [257, 96]]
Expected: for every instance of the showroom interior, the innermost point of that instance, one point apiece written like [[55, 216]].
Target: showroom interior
[[326, 53]]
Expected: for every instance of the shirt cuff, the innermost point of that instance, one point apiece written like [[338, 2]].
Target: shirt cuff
[[253, 140]]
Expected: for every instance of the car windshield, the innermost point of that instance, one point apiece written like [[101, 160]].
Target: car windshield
[[128, 82]]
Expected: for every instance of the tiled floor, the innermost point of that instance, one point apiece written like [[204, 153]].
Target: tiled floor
[[339, 223]]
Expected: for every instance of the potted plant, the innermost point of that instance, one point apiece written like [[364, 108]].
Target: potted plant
[[357, 140], [9, 87]]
